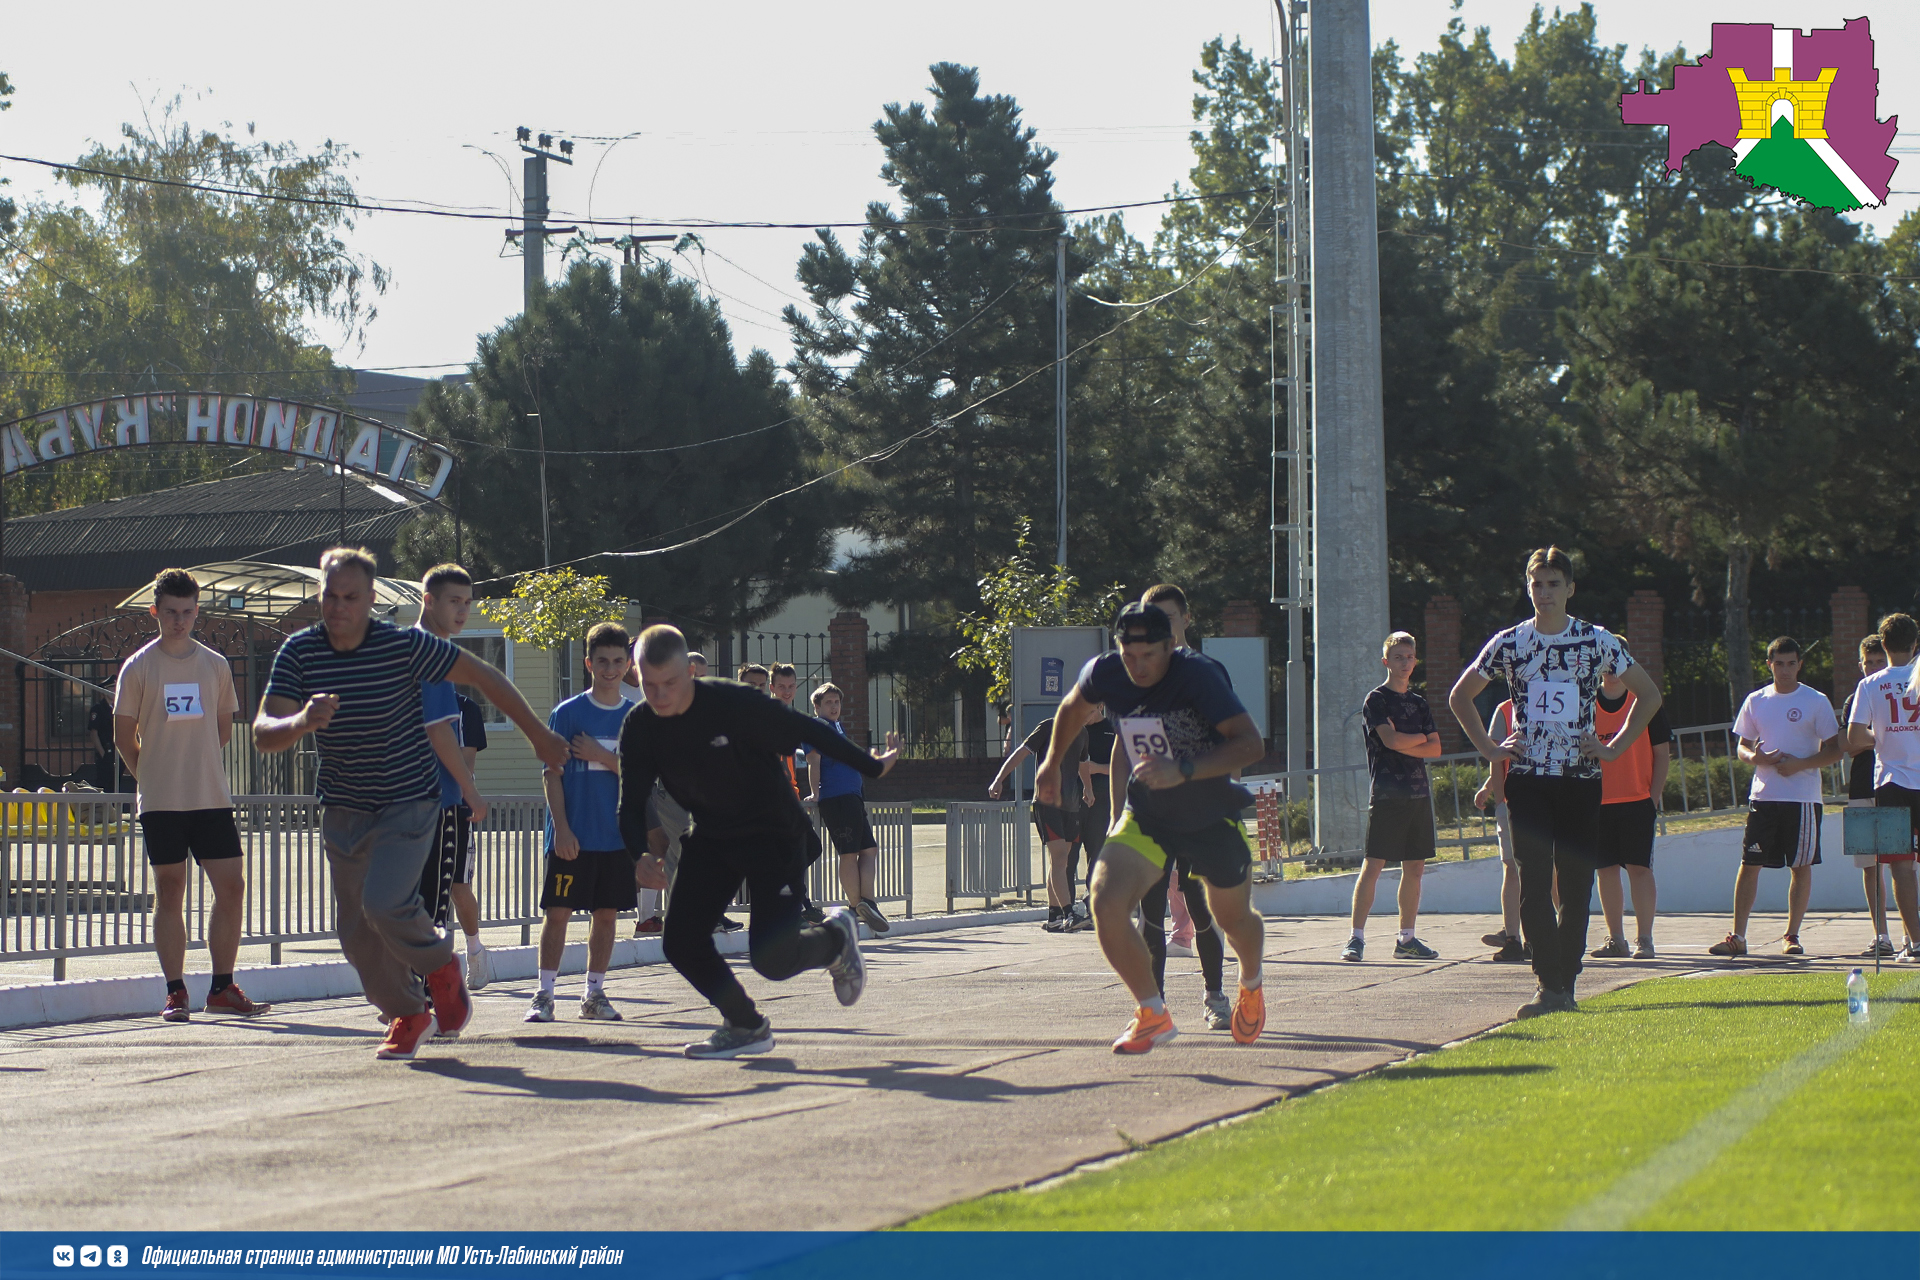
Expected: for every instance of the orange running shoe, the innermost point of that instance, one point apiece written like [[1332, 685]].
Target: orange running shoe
[[1249, 1014], [404, 1035], [1145, 1031]]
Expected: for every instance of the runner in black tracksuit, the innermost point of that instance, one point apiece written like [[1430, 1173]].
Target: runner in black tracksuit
[[717, 746]]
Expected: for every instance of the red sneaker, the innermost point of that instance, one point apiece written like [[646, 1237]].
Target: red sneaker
[[404, 1035], [649, 927], [452, 1007], [175, 1009], [234, 1000]]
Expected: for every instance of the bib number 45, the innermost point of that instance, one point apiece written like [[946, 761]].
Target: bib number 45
[[1553, 702]]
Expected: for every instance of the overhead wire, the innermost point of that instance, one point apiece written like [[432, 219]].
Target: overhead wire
[[888, 451]]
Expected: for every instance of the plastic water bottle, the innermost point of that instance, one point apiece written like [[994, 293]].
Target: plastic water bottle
[[1856, 997]]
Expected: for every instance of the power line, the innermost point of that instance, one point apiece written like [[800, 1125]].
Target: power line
[[887, 452], [992, 221]]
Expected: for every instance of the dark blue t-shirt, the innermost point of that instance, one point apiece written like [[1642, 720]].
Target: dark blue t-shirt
[[837, 779], [1176, 718], [592, 791], [1396, 773]]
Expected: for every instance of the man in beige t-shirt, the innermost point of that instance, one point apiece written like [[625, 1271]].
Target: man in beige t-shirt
[[172, 715]]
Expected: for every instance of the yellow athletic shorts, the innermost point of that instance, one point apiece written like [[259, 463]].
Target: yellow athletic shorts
[[1218, 853]]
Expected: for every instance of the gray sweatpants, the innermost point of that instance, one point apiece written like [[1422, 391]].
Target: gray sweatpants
[[385, 931]]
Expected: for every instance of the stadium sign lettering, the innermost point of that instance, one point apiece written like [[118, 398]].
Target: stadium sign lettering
[[306, 431]]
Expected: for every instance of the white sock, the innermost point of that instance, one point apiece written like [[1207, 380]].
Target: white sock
[[1253, 983], [595, 982], [1359, 935], [1155, 1005], [1884, 938], [1406, 935], [546, 980], [473, 944]]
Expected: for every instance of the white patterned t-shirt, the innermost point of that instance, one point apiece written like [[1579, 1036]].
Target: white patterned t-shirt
[[1553, 681]]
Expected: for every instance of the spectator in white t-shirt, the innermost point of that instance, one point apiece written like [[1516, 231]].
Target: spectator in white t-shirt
[[1788, 733], [1886, 716]]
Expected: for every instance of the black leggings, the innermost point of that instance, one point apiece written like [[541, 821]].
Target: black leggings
[[1206, 938], [1553, 831], [779, 942]]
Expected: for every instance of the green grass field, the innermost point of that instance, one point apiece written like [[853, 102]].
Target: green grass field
[[1677, 1103]]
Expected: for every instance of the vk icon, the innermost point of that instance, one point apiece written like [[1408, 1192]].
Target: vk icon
[[63, 1255], [116, 1255], [89, 1255]]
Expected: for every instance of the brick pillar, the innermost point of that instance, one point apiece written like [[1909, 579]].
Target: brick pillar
[[1240, 618], [1441, 644], [1646, 633], [847, 658], [1851, 623], [13, 635]]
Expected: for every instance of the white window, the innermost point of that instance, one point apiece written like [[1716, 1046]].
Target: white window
[[494, 650]]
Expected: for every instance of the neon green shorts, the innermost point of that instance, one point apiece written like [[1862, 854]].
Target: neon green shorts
[[1217, 853]]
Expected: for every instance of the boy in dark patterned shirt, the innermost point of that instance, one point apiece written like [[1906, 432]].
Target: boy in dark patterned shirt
[[1401, 737], [1553, 665]]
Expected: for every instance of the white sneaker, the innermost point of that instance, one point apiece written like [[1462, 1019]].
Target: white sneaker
[[597, 1008], [1175, 949], [479, 969], [541, 1008]]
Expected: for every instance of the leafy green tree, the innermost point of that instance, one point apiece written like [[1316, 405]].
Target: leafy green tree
[[553, 609], [7, 207], [1725, 385], [147, 286], [942, 314], [1027, 591], [657, 441]]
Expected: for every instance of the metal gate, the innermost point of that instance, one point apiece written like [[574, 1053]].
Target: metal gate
[[67, 707]]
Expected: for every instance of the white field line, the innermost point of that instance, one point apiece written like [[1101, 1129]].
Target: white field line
[[1641, 1189]]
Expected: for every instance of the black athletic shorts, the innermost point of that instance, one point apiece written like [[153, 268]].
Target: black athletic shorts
[[1400, 828], [1217, 853], [1623, 835], [845, 821], [1781, 833], [450, 863], [1895, 796], [1056, 823], [597, 880], [171, 834]]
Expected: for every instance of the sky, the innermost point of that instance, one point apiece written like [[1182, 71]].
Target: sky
[[755, 111]]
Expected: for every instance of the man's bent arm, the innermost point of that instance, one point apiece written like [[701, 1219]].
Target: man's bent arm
[[1646, 700], [1242, 747], [1074, 714], [494, 685], [280, 724], [1460, 702]]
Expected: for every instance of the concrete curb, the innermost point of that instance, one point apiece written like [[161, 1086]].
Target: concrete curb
[[43, 1003]]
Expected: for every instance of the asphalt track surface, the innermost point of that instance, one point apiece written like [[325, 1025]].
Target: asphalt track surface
[[978, 1060]]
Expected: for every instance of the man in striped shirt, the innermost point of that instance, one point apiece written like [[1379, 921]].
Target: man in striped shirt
[[355, 684]]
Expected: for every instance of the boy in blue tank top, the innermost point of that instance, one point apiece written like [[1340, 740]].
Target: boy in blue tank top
[[840, 794], [588, 865]]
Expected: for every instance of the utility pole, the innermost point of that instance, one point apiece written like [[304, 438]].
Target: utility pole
[[1349, 445], [1060, 397], [1293, 457], [534, 230], [546, 538]]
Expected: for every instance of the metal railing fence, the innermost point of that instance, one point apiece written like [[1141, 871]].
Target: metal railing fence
[[989, 850], [75, 879]]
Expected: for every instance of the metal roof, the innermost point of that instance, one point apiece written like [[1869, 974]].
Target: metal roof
[[288, 514], [269, 592]]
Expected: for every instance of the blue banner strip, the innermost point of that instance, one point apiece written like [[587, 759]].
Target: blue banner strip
[[720, 1255]]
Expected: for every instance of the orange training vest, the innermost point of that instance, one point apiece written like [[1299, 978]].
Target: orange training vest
[[1631, 776]]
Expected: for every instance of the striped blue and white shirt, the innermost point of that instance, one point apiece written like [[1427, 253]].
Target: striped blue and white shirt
[[375, 753]]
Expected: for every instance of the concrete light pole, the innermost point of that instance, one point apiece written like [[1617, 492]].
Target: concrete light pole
[[1349, 476]]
